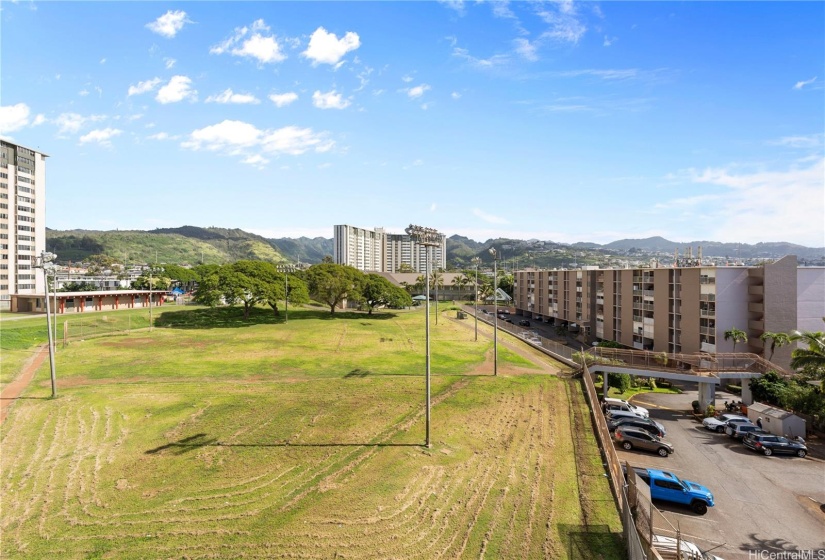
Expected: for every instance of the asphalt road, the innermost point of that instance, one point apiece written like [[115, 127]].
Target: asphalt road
[[772, 504]]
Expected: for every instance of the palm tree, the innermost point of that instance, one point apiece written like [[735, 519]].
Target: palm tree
[[811, 358], [778, 340], [736, 335], [458, 282]]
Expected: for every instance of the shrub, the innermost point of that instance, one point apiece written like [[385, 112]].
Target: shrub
[[653, 384], [695, 405], [710, 411]]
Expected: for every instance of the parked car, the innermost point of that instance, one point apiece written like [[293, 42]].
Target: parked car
[[719, 423], [739, 430], [524, 323], [667, 487], [615, 414], [628, 410], [635, 438], [770, 444], [688, 550], [647, 424], [625, 405]]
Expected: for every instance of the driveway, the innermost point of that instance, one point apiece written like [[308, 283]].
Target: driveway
[[771, 504]]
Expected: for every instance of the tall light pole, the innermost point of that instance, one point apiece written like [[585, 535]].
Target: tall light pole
[[495, 309], [46, 264], [427, 237], [476, 261], [286, 268]]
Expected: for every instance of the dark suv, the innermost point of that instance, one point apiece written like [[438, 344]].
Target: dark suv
[[524, 323], [770, 444]]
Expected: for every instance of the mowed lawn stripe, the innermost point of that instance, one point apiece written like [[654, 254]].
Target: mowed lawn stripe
[[263, 441]]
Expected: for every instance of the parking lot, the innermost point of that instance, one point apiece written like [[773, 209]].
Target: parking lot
[[772, 504]]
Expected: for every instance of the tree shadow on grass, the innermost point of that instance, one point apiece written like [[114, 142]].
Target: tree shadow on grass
[[232, 317], [197, 441], [584, 542]]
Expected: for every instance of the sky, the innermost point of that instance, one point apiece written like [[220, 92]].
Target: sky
[[564, 120]]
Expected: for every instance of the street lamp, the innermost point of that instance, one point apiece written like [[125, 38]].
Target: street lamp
[[476, 261], [428, 237], [46, 264], [495, 309], [286, 269]]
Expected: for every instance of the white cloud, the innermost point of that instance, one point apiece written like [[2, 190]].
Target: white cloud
[[143, 87], [406, 78], [39, 119], [326, 48], [457, 5], [482, 63], [526, 49], [608, 41], [564, 25], [455, 95], [160, 136], [802, 84], [283, 99], [329, 100], [101, 136], [489, 217], [83, 92], [103, 61], [809, 141], [619, 74], [252, 42], [417, 91], [258, 161], [433, 207], [169, 63], [13, 117], [176, 90], [228, 96], [169, 23], [758, 205], [243, 139], [71, 123]]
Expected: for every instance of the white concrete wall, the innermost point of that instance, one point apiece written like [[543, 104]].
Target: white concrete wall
[[810, 302], [731, 306]]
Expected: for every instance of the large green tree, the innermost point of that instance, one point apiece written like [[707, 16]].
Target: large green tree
[[333, 283], [245, 282], [378, 291]]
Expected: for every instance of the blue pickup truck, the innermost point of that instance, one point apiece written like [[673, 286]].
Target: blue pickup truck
[[667, 487]]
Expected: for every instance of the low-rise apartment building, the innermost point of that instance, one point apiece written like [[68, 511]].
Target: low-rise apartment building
[[679, 309]]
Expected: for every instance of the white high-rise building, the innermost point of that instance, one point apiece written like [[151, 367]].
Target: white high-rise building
[[378, 251], [22, 220]]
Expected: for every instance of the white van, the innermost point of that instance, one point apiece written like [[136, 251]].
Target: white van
[[619, 404]]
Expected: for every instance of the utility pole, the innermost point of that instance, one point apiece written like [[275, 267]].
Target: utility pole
[[150, 297], [495, 308], [476, 262], [46, 264]]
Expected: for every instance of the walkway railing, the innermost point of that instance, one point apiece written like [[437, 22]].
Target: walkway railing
[[708, 365]]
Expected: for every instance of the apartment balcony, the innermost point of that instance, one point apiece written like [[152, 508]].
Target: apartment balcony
[[648, 332], [707, 313], [599, 332], [758, 326], [708, 347], [756, 307], [648, 321], [638, 326], [756, 290], [709, 331], [707, 297], [599, 301]]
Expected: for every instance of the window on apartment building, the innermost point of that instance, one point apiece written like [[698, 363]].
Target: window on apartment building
[[4, 206], [4, 175], [4, 226], [25, 208], [24, 267], [25, 218], [25, 189], [20, 228], [4, 276], [4, 215], [4, 286], [19, 237], [4, 246]]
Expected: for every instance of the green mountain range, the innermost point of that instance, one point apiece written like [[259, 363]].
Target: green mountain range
[[193, 245]]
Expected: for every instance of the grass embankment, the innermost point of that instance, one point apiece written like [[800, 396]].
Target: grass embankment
[[214, 437]]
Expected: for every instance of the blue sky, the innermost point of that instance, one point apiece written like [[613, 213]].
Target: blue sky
[[564, 121]]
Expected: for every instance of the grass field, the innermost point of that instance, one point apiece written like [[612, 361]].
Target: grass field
[[211, 437]]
